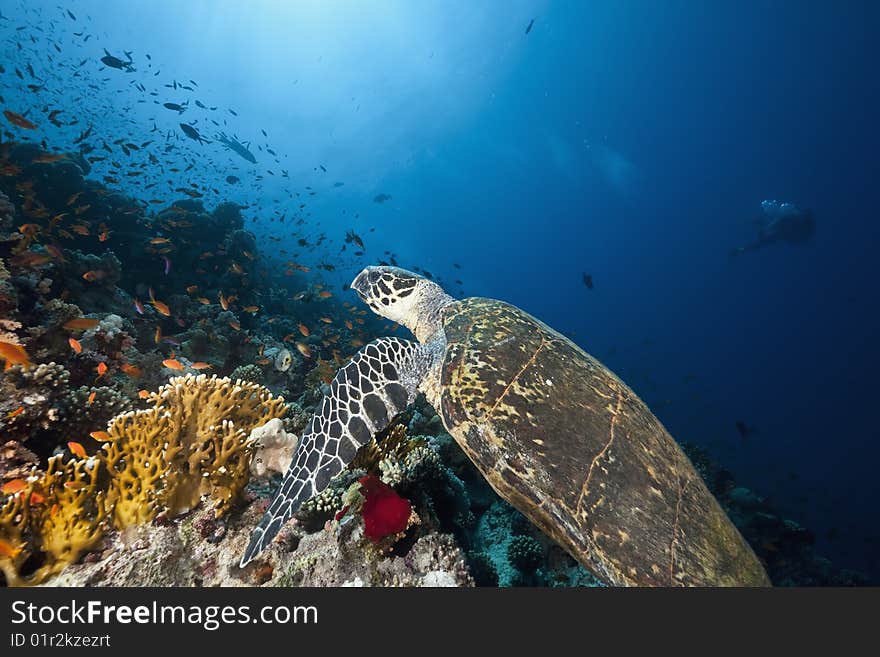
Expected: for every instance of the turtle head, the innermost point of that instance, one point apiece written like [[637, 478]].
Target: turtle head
[[403, 297]]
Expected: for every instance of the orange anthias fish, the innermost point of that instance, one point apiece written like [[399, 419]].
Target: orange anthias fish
[[251, 309], [203, 301], [326, 320], [14, 354], [201, 366], [94, 275], [18, 411], [223, 302], [324, 294], [162, 308], [81, 323], [75, 345], [101, 369], [102, 436], [19, 120], [304, 329], [77, 449], [304, 349], [192, 289], [29, 229], [160, 240], [144, 394], [14, 486], [172, 364], [91, 399], [235, 325], [133, 371], [79, 229], [349, 325]]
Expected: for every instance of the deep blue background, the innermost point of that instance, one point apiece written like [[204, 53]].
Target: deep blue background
[[631, 140]]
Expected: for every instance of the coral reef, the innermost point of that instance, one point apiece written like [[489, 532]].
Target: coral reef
[[58, 516], [525, 554], [31, 406], [185, 553], [192, 443], [104, 297]]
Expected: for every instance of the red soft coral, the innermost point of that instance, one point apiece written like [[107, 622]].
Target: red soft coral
[[385, 512]]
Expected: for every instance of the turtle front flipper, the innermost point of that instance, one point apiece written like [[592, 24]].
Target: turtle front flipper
[[365, 395]]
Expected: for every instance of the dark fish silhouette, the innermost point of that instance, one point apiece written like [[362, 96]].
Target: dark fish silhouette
[[236, 146], [193, 134], [381, 198], [351, 236], [115, 62], [529, 28], [231, 180], [180, 109], [588, 280]]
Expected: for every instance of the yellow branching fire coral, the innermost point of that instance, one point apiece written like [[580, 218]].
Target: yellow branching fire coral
[[60, 515], [191, 444], [136, 460], [69, 520], [14, 521]]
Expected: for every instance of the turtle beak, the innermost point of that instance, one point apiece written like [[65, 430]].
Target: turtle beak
[[361, 283]]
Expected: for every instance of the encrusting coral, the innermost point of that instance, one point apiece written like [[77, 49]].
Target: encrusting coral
[[193, 443]]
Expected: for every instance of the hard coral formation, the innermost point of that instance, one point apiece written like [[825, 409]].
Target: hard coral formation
[[525, 554], [31, 403], [181, 554], [58, 516], [192, 443]]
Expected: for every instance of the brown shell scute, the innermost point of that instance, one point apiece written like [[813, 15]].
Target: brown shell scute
[[572, 447]]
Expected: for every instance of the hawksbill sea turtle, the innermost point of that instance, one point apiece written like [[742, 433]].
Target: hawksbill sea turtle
[[553, 431]]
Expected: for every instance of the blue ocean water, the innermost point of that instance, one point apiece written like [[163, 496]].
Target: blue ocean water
[[630, 141]]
